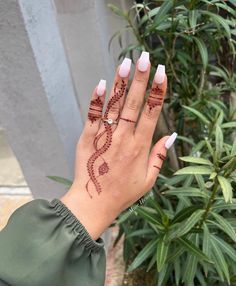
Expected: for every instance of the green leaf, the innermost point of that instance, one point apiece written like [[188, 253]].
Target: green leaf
[[61, 180], [219, 140], [191, 265], [147, 251], [185, 213], [124, 216], [219, 206], [224, 225], [187, 225], [219, 21], [149, 217], [225, 247], [196, 160], [117, 11], [188, 245], [189, 192], [220, 260], [233, 150], [198, 114], [203, 51], [162, 251], [194, 170], [162, 13], [186, 139], [140, 233], [231, 124], [206, 246], [226, 189]]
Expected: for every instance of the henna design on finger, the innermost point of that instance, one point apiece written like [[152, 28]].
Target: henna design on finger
[[157, 167], [128, 120], [155, 98], [99, 151], [95, 109], [160, 156]]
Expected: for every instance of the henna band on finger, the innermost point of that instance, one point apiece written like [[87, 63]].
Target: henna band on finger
[[160, 156], [157, 167], [128, 120]]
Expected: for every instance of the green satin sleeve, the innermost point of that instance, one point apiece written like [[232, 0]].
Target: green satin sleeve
[[44, 244]]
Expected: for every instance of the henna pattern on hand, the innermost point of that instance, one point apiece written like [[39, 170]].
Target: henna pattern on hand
[[155, 98], [157, 167], [128, 120], [160, 156], [99, 151], [95, 109]]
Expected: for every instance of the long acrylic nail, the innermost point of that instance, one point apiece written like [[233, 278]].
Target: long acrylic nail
[[125, 67], [160, 74], [143, 62], [101, 87], [170, 141]]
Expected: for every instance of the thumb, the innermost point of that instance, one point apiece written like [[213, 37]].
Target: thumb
[[157, 156]]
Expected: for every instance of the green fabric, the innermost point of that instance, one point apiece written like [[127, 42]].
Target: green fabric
[[44, 244]]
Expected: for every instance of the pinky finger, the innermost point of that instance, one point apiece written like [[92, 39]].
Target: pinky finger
[[96, 108], [157, 156]]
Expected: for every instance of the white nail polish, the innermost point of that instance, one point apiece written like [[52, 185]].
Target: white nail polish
[[170, 141], [125, 67], [143, 62], [101, 87], [160, 74]]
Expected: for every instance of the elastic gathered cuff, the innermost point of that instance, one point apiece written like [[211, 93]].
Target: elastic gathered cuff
[[82, 234]]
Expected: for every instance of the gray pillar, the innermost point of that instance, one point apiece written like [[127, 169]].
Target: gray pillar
[[38, 107]]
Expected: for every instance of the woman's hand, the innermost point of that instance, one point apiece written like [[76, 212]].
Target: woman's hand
[[114, 165]]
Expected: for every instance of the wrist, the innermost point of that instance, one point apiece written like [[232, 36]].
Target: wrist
[[94, 214]]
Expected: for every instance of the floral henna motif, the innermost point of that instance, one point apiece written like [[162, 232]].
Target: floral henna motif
[[155, 98], [95, 109], [99, 151]]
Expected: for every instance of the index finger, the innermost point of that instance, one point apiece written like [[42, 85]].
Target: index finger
[[153, 106]]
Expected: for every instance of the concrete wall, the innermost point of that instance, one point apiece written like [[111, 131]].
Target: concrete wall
[[52, 55]]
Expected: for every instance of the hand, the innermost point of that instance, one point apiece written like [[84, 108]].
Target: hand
[[114, 165]]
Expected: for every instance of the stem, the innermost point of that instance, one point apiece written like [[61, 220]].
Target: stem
[[209, 204]]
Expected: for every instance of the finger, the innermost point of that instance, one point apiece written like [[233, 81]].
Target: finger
[[157, 156], [134, 100], [95, 109], [152, 107], [117, 96]]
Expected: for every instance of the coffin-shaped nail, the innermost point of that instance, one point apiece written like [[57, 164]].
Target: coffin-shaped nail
[[170, 141], [160, 74], [143, 62], [125, 67], [101, 87]]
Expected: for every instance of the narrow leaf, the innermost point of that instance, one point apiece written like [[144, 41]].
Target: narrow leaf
[[197, 113], [194, 170], [143, 255], [226, 189], [193, 249], [224, 225], [162, 251], [189, 192], [196, 160], [61, 180]]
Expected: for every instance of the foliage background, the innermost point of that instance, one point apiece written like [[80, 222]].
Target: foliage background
[[186, 233]]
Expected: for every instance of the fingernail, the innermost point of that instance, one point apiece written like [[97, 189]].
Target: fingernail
[[143, 62], [160, 74], [170, 141], [101, 87], [125, 67]]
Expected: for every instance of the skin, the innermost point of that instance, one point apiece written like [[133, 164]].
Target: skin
[[132, 167]]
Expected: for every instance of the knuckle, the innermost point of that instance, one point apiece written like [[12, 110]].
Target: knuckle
[[132, 104], [138, 77]]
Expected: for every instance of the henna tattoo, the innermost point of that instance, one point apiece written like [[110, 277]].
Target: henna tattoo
[[160, 156], [155, 98], [95, 109], [99, 151], [128, 120], [157, 167]]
